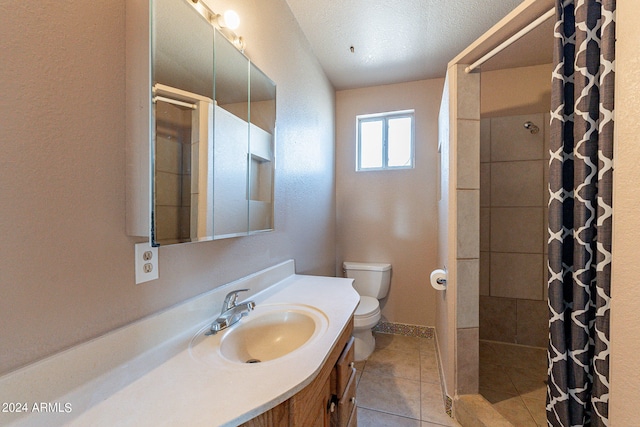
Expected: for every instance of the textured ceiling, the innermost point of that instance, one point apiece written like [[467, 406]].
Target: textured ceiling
[[401, 40]]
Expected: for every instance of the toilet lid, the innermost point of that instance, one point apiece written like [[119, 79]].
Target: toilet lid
[[367, 306]]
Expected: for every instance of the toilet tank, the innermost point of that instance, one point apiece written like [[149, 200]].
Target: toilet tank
[[371, 279]]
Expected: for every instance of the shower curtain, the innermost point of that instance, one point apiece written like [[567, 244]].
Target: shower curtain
[[580, 184]]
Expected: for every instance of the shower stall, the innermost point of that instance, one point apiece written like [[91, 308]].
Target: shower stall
[[514, 153]]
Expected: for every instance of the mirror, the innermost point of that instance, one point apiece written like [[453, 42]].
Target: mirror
[[213, 121], [231, 136], [262, 113]]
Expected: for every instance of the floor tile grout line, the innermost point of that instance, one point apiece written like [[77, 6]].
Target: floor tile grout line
[[377, 374], [528, 410], [402, 416], [420, 393], [390, 413]]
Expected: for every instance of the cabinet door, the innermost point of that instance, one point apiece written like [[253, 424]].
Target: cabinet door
[[323, 417], [310, 407]]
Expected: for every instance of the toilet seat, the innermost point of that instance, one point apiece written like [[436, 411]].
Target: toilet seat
[[367, 314], [367, 306]]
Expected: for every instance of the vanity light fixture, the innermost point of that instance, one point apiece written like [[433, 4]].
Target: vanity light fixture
[[225, 23], [228, 22], [231, 20]]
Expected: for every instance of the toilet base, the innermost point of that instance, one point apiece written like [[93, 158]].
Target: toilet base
[[364, 344]]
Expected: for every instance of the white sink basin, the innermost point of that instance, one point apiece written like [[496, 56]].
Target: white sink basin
[[269, 332]]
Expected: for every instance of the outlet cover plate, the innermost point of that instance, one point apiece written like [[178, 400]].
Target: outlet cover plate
[[146, 263]]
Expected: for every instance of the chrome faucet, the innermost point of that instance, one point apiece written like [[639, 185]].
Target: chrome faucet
[[231, 312]]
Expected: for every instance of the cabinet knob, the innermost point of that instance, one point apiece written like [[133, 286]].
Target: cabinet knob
[[352, 364], [353, 400], [332, 404]]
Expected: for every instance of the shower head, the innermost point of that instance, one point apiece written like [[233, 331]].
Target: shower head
[[531, 127]]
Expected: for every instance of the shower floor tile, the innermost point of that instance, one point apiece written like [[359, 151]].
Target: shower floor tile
[[512, 379]]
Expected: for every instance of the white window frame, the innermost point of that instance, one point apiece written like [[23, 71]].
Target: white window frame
[[384, 117]]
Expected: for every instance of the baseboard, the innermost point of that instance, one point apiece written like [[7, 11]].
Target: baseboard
[[405, 329]]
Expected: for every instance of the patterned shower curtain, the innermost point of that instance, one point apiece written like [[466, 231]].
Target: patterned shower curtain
[[580, 184]]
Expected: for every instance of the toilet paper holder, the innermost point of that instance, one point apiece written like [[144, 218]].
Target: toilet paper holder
[[438, 279]]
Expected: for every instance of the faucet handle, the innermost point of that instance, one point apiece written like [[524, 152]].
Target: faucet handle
[[231, 298]]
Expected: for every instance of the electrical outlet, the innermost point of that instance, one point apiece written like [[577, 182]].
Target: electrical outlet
[[146, 263]]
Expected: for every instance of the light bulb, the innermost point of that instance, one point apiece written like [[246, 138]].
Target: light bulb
[[231, 19]]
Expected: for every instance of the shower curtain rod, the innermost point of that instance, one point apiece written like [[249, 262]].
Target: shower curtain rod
[[510, 40], [175, 102]]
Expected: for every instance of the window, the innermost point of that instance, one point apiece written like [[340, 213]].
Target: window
[[385, 141]]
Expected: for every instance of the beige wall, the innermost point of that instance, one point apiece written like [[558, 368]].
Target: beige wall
[[625, 321], [66, 264], [516, 91], [391, 216]]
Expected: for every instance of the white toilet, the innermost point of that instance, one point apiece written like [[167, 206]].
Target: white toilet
[[371, 281]]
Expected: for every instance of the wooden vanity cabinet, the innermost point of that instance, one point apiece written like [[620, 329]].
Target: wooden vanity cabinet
[[328, 401], [343, 387]]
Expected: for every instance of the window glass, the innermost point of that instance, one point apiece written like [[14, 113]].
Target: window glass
[[399, 142], [385, 141], [371, 144]]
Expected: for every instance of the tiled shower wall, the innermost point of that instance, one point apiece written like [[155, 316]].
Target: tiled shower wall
[[173, 173], [513, 224]]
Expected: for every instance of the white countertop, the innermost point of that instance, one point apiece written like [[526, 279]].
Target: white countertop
[[185, 391]]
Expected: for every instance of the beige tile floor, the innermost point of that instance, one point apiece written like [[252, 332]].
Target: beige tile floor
[[512, 378], [399, 385]]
